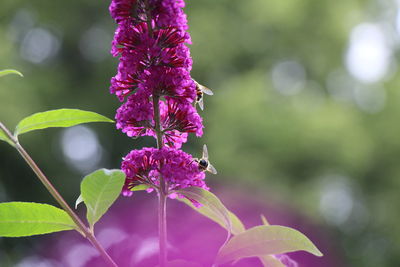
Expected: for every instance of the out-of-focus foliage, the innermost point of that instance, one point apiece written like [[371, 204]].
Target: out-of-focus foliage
[[305, 106]]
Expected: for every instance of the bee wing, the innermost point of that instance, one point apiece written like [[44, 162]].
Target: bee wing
[[203, 88], [201, 104], [205, 152], [206, 90], [211, 169]]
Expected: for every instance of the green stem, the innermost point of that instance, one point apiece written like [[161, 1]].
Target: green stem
[[157, 126], [42, 177], [162, 228], [162, 192], [148, 17]]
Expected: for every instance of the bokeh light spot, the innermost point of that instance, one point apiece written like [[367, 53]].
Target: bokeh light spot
[[81, 148], [79, 254], [288, 77], [368, 57], [95, 44], [39, 45], [336, 200], [110, 236], [34, 261]]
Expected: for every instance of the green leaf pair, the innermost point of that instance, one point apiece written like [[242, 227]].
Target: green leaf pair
[[260, 241], [99, 190]]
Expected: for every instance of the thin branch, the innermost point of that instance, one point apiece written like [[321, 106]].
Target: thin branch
[[60, 200]]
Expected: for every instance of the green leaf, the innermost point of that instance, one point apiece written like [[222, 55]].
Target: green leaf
[[10, 71], [99, 190], [27, 218], [5, 138], [212, 207], [265, 240], [237, 225], [58, 118], [140, 187], [181, 263], [271, 261]]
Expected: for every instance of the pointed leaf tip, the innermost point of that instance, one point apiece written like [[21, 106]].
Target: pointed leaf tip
[[78, 201], [10, 71]]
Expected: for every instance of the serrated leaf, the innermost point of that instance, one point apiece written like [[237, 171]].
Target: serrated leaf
[[181, 263], [271, 261], [27, 218], [237, 225], [265, 240], [58, 118], [5, 138], [99, 190], [78, 201], [211, 205], [10, 71]]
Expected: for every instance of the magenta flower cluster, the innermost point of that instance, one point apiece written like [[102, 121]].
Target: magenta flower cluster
[[177, 167], [153, 83]]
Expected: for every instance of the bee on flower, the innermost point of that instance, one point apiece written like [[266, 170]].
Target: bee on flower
[[204, 164]]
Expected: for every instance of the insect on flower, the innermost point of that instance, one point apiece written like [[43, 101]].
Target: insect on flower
[[204, 164], [200, 91]]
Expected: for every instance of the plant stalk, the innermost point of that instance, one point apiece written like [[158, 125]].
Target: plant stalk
[[148, 17], [162, 228], [60, 200], [162, 194]]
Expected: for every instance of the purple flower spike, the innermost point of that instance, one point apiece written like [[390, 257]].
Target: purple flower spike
[[154, 65]]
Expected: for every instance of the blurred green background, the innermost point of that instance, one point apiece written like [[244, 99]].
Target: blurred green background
[[306, 107]]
